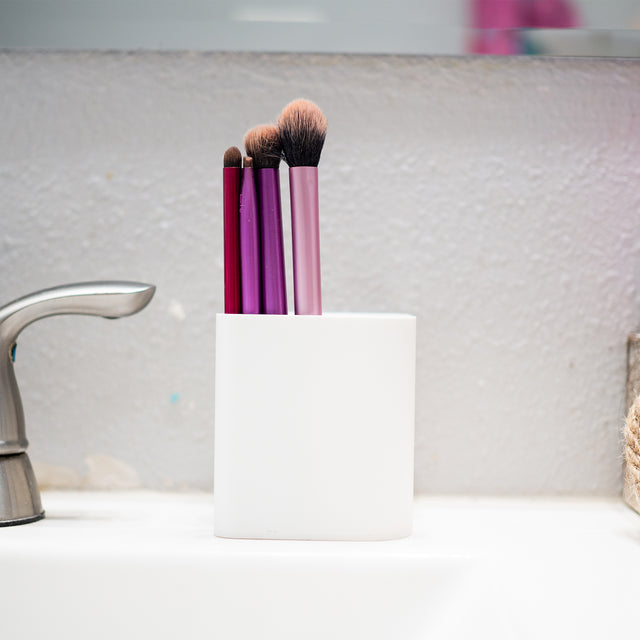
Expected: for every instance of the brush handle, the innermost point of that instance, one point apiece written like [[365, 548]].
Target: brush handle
[[249, 244], [274, 292], [305, 228], [231, 190]]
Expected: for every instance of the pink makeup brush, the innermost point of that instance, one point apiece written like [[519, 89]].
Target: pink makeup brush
[[231, 189], [302, 128]]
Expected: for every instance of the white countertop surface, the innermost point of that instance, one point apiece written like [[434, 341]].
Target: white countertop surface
[[148, 563]]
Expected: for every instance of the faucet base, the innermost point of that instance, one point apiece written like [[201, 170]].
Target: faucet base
[[19, 494], [13, 523]]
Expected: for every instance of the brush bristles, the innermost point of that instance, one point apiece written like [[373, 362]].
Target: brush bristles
[[263, 144], [302, 128], [233, 157], [248, 162]]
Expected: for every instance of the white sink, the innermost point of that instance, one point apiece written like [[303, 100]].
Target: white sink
[[144, 565]]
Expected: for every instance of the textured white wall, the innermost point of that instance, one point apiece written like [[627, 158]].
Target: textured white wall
[[497, 199]]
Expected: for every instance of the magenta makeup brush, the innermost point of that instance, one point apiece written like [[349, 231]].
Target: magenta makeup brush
[[249, 241], [231, 190], [302, 128], [262, 143]]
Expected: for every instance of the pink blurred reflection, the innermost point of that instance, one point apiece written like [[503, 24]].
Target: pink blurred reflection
[[497, 24]]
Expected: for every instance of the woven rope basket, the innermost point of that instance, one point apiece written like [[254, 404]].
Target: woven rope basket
[[632, 456], [631, 491]]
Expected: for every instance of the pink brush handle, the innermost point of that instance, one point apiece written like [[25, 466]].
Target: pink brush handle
[[249, 244], [303, 184]]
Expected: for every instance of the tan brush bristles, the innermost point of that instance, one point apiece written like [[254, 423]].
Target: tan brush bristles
[[263, 144], [307, 113], [302, 128], [233, 157], [248, 162]]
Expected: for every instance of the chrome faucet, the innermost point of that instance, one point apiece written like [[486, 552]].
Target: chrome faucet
[[19, 494]]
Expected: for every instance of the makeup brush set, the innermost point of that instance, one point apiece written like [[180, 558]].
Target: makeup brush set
[[314, 412], [253, 238]]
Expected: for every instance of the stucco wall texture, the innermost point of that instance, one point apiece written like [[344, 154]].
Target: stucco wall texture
[[496, 199]]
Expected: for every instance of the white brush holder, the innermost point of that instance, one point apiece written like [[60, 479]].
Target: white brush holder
[[314, 426]]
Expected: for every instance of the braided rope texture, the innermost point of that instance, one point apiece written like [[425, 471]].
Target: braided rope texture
[[632, 456]]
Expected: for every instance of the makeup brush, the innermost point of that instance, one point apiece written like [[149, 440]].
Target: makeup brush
[[302, 128], [249, 241], [231, 190], [262, 143]]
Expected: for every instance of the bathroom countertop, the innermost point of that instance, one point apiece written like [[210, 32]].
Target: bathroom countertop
[[139, 562]]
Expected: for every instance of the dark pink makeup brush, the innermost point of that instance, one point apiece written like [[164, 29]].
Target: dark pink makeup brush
[[231, 189]]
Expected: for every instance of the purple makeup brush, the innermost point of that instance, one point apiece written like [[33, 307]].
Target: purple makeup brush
[[262, 143], [249, 241], [302, 128]]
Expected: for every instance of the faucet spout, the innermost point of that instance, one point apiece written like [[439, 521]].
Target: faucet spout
[[106, 299]]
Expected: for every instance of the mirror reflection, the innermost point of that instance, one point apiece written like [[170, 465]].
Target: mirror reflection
[[450, 27]]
